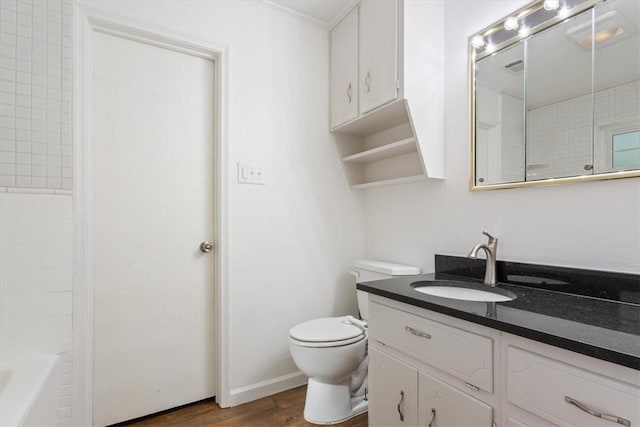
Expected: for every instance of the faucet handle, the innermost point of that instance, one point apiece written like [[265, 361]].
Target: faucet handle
[[491, 238]]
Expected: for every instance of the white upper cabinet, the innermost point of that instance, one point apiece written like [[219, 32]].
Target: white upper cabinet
[[387, 91], [344, 70], [378, 53]]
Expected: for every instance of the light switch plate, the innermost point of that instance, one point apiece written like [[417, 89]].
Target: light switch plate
[[250, 174]]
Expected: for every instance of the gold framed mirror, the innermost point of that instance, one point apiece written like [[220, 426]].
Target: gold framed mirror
[[555, 95]]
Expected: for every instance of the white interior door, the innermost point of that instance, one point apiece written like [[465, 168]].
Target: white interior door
[[153, 139]]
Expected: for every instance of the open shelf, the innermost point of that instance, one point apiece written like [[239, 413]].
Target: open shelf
[[387, 116], [393, 149], [393, 181]]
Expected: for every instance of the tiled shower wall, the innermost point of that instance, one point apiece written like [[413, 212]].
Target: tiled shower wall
[[559, 140], [36, 238], [35, 94]]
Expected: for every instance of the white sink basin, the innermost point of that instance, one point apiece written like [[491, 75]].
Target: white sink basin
[[464, 291]]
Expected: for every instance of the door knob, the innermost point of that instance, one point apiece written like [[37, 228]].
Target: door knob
[[206, 246]]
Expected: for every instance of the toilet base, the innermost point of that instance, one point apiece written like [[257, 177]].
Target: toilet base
[[331, 403]]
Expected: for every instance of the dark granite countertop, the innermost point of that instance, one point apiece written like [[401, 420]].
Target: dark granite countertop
[[600, 328]]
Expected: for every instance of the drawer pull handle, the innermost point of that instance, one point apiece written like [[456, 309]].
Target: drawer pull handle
[[349, 95], [417, 332], [433, 417], [473, 387], [581, 406], [400, 406]]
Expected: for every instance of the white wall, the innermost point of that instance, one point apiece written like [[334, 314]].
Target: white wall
[[293, 240], [590, 225]]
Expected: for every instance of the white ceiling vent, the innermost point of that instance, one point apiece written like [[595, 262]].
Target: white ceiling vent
[[610, 27], [515, 67]]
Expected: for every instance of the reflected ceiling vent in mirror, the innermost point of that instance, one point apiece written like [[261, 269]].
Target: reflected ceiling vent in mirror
[[610, 28], [515, 67]]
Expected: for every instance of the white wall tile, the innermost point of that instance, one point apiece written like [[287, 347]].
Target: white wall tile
[[550, 128], [35, 45], [35, 301]]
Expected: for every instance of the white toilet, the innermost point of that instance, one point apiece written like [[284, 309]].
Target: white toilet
[[332, 352]]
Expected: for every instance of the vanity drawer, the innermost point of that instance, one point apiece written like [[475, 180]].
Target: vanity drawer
[[554, 390], [460, 353]]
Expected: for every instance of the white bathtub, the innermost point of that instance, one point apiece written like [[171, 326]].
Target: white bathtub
[[28, 395]]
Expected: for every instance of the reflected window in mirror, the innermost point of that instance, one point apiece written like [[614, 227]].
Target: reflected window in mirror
[[626, 150]]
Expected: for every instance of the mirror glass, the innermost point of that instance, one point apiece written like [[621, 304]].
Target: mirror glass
[[559, 100], [500, 148], [559, 103], [616, 83]]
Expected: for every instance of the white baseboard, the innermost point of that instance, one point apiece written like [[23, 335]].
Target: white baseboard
[[255, 391]]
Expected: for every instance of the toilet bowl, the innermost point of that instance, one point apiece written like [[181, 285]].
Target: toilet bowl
[[332, 352], [329, 351]]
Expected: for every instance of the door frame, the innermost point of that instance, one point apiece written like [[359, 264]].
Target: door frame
[[87, 21]]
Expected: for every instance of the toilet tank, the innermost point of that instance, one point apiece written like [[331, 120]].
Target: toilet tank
[[370, 270]]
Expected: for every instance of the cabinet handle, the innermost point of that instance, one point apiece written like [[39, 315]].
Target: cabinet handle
[[349, 93], [367, 81], [417, 332], [583, 407], [433, 417], [400, 406]]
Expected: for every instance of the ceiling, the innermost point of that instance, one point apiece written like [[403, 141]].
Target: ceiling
[[326, 12]]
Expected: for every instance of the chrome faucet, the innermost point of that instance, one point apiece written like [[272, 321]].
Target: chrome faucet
[[490, 249]]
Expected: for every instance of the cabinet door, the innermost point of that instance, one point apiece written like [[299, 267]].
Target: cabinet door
[[393, 391], [344, 69], [378, 53], [441, 405]]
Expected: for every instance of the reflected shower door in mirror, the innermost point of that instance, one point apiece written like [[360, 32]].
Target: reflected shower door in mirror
[[556, 95], [500, 148], [559, 102]]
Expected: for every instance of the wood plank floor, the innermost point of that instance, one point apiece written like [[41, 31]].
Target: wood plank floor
[[282, 409]]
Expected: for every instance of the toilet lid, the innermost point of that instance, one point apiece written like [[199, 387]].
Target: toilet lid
[[328, 329]]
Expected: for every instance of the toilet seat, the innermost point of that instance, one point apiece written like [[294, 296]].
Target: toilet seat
[[312, 344], [326, 332]]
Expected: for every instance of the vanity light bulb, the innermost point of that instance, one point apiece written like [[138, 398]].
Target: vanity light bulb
[[477, 41], [551, 4], [511, 23]]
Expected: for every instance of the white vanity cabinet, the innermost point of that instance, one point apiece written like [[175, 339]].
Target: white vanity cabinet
[[393, 391], [400, 395], [446, 372], [441, 404], [418, 368], [561, 388]]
